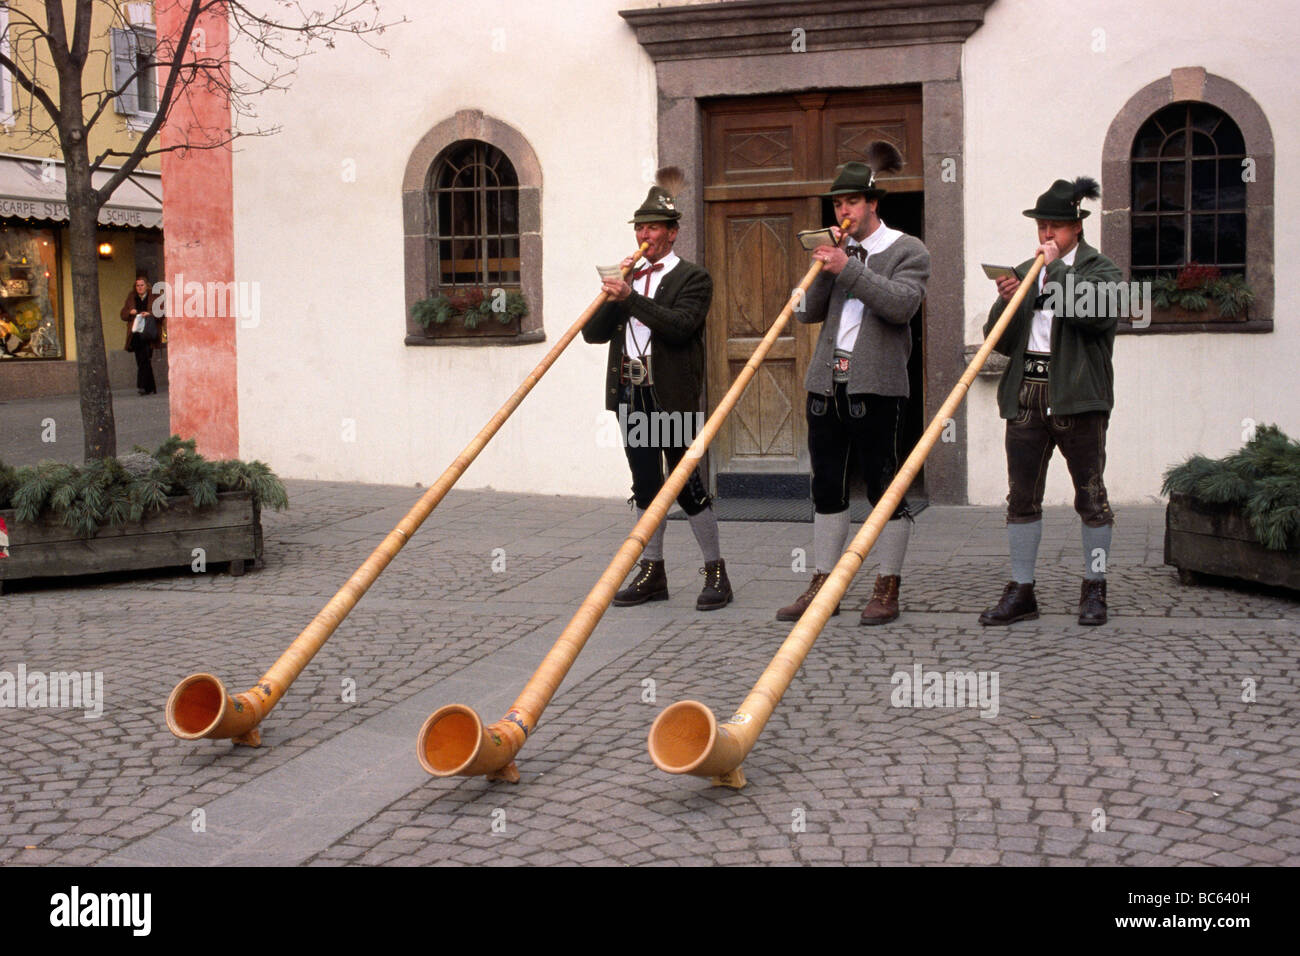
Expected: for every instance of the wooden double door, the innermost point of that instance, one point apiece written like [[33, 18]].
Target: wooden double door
[[767, 163]]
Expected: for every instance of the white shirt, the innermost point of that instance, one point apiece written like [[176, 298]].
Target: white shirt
[[636, 338], [1040, 333], [851, 314]]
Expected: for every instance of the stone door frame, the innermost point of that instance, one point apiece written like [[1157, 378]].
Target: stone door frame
[[751, 47]]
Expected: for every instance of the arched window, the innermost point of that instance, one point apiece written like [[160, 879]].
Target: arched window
[[474, 212], [1189, 194], [1187, 177], [472, 222]]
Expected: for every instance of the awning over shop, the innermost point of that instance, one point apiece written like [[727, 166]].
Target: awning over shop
[[36, 189]]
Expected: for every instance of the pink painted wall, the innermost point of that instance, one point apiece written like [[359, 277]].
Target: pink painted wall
[[198, 244]]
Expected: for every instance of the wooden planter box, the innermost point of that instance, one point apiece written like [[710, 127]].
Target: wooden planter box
[[488, 327], [1176, 314], [1217, 540], [228, 532]]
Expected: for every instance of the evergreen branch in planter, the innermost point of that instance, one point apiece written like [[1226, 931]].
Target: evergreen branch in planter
[[1262, 481], [112, 491]]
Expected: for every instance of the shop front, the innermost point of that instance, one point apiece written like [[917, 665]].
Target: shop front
[[38, 349]]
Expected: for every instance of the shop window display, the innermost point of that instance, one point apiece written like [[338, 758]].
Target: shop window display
[[29, 325]]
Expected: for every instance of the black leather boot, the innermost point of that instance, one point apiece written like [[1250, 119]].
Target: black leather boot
[[717, 589], [1092, 602], [650, 583], [1016, 604]]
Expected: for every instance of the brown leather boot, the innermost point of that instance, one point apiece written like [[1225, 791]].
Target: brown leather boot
[[1092, 602], [792, 612], [648, 584], [1016, 604], [883, 606]]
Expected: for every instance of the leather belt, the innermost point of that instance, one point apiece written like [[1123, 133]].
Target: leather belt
[[1037, 366]]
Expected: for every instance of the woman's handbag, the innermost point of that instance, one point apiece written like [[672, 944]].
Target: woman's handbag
[[145, 326]]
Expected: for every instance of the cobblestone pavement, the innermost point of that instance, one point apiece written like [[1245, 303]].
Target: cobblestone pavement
[[37, 429], [1129, 743]]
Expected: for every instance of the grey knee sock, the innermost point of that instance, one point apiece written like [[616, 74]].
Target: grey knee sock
[[830, 538], [654, 548], [1096, 552], [1024, 549], [891, 546], [705, 528]]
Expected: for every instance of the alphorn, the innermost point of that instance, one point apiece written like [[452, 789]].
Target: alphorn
[[453, 741], [199, 706], [686, 737]]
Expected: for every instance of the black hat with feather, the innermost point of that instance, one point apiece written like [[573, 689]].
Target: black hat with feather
[[661, 201], [855, 177], [1061, 202]]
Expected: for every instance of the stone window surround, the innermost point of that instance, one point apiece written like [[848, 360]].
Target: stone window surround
[[1181, 85], [743, 48], [472, 124]]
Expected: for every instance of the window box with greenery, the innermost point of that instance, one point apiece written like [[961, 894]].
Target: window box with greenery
[[172, 508], [1201, 294], [470, 312], [1238, 516]]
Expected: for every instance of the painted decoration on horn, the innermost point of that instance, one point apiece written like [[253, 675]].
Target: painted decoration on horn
[[517, 719]]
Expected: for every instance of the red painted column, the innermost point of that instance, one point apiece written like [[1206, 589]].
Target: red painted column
[[198, 247]]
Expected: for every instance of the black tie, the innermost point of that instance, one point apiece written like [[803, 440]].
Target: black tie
[[858, 253]]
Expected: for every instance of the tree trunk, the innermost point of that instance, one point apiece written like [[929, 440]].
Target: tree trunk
[[98, 425]]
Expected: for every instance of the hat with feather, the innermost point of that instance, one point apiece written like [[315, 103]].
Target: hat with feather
[[1061, 202], [856, 177], [661, 202]]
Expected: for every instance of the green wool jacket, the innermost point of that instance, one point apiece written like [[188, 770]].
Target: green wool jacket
[[675, 317], [1081, 378]]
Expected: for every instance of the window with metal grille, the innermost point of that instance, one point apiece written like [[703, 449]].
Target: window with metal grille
[[1189, 193], [474, 215]]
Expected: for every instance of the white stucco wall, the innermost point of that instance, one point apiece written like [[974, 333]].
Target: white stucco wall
[[1174, 394], [328, 253]]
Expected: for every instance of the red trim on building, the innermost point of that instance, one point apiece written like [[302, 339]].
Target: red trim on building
[[198, 246]]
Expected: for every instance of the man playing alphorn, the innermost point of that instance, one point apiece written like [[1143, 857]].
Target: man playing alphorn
[[654, 324], [1057, 392], [857, 384]]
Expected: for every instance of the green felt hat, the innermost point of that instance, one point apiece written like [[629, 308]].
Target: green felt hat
[[659, 206], [1061, 201], [661, 201], [859, 177], [855, 178]]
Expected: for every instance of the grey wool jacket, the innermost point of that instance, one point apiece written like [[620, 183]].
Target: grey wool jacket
[[891, 286]]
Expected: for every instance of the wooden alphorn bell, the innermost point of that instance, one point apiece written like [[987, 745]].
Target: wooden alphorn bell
[[199, 706], [686, 737], [454, 741]]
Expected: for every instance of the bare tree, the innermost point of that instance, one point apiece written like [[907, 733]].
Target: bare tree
[[72, 83]]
